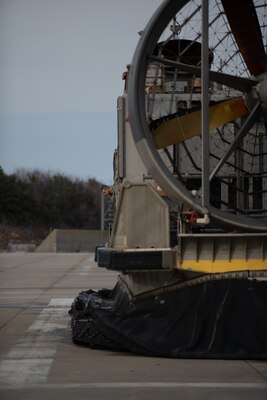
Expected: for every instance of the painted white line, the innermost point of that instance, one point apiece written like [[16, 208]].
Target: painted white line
[[29, 361], [60, 303], [16, 374], [84, 269], [26, 294], [92, 258], [148, 385]]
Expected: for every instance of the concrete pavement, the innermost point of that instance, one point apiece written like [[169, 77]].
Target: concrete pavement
[[39, 360]]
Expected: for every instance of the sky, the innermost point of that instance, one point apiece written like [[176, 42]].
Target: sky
[[60, 75]]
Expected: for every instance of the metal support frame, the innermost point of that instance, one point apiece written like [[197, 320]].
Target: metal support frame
[[205, 103]]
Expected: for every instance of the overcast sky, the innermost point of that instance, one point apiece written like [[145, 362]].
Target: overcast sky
[[60, 75]]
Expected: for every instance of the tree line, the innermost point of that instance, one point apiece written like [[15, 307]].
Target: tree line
[[36, 199]]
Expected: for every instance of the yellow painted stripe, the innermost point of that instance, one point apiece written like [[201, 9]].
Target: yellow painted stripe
[[217, 266]]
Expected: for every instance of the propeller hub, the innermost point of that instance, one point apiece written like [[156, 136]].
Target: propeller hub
[[258, 94]]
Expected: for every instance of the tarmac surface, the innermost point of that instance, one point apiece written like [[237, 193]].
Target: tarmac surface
[[39, 361]]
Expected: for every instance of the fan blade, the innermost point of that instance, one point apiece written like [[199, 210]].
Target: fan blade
[[248, 124], [235, 82], [180, 128], [244, 23]]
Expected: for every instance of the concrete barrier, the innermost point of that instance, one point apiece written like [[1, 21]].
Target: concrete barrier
[[72, 241]]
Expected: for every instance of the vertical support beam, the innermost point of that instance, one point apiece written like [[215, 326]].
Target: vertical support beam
[[102, 212], [205, 103]]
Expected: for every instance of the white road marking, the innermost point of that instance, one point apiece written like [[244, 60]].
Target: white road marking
[[29, 361], [13, 293], [147, 385], [84, 269]]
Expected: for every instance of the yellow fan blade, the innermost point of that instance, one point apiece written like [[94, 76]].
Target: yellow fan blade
[[184, 127]]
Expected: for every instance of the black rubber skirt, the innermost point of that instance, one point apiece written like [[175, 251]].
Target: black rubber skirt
[[224, 319]]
